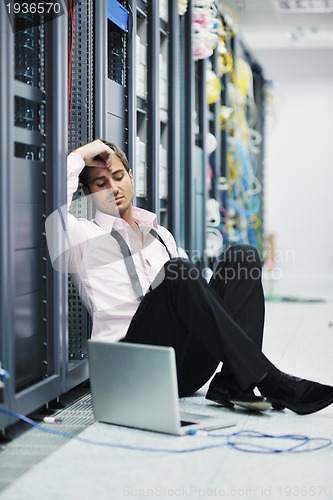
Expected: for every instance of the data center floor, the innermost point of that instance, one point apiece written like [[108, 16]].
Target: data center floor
[[298, 338]]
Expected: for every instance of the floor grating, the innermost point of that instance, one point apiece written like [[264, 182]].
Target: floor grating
[[19, 455]]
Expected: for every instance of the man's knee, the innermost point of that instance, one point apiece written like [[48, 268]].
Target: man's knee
[[179, 268], [240, 262], [244, 254]]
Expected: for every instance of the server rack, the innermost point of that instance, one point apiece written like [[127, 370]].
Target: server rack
[[97, 109], [6, 293], [188, 132], [30, 294], [81, 129], [259, 83], [148, 105], [241, 210], [138, 104], [174, 130], [132, 107], [147, 111], [219, 184], [163, 102], [249, 229], [153, 144]]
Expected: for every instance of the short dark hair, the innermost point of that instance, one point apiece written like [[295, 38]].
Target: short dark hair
[[84, 177]]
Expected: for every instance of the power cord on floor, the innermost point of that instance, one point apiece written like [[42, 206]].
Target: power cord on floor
[[240, 440]]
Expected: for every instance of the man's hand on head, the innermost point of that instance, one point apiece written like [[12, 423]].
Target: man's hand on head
[[96, 154]]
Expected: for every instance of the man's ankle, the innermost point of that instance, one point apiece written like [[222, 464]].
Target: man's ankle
[[270, 382]]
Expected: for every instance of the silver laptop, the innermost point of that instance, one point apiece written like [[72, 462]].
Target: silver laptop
[[135, 385]]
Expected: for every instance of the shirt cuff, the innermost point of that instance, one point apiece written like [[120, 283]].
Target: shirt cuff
[[75, 163]]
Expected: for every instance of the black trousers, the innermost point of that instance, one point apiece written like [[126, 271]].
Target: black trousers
[[207, 323]]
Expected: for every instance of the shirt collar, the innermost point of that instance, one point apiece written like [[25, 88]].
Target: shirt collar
[[142, 217]]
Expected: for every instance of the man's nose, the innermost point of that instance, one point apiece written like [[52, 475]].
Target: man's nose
[[113, 186]]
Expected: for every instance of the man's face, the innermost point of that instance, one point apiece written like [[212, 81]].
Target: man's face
[[111, 189]]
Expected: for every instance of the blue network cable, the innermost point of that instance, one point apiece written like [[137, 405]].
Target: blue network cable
[[241, 440]]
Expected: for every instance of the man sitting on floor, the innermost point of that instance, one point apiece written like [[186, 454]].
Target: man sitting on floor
[[136, 289]]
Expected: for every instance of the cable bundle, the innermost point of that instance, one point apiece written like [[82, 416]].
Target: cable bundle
[[205, 26], [182, 7], [224, 59], [213, 86], [239, 119]]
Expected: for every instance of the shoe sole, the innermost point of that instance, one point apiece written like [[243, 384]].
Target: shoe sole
[[255, 406], [258, 406]]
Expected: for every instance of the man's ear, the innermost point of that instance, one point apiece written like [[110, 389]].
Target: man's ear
[[130, 173]]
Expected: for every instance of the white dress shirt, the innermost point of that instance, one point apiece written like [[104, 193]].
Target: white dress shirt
[[96, 264]]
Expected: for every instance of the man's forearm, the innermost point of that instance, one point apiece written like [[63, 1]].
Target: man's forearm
[[75, 165]]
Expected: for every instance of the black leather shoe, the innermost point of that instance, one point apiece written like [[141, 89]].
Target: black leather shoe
[[228, 396], [300, 396], [278, 406]]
